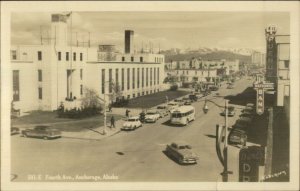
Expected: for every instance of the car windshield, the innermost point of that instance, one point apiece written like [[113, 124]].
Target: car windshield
[[184, 147], [161, 107], [176, 115]]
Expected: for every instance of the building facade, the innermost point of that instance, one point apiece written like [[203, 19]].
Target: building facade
[[45, 75]]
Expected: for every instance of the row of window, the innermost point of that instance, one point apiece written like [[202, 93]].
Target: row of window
[[135, 77], [141, 93], [59, 56], [187, 72], [141, 59]]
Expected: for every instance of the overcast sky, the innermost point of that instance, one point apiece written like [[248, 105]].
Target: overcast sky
[[169, 29]]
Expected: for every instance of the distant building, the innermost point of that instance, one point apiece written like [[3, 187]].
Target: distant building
[[258, 58], [45, 75]]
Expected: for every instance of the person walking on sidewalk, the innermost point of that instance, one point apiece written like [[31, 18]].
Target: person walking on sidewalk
[[127, 113], [112, 122]]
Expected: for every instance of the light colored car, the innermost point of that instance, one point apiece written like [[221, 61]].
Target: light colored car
[[250, 105], [162, 110], [152, 116], [198, 95], [179, 101], [132, 123], [172, 105], [181, 152]]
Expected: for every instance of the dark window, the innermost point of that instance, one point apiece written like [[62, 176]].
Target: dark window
[[141, 59], [81, 74], [14, 54], [67, 56], [146, 77], [103, 81], [110, 80], [128, 78], [81, 90], [40, 75], [286, 63], [154, 77], [122, 79], [74, 56], [142, 77], [132, 58], [117, 77], [138, 78], [150, 76], [133, 78], [81, 56], [157, 75], [40, 93], [40, 55], [59, 56], [123, 58], [16, 87]]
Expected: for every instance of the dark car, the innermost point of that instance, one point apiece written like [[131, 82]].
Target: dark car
[[41, 131], [242, 123], [230, 112], [214, 88], [193, 97], [14, 130], [237, 136], [247, 114], [188, 102], [182, 153]]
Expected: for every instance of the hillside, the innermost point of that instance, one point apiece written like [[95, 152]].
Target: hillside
[[217, 55]]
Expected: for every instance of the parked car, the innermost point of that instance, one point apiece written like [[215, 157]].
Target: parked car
[[230, 86], [41, 131], [188, 102], [237, 136], [230, 113], [181, 152], [214, 88], [152, 116], [248, 110], [193, 97], [162, 110], [250, 105], [243, 122], [132, 123], [247, 114], [14, 130], [172, 105], [198, 95], [179, 101]]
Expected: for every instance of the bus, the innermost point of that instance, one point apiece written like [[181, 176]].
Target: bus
[[182, 115]]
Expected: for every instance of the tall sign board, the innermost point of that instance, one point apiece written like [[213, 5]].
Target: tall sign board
[[271, 54]]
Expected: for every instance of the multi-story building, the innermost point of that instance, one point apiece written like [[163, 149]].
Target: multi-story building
[[195, 75], [258, 58], [278, 63], [46, 75]]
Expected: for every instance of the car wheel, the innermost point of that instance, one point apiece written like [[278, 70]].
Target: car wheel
[[45, 138]]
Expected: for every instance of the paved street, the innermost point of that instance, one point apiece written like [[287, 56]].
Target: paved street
[[130, 156]]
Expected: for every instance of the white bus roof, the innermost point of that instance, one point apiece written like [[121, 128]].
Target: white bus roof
[[183, 109]]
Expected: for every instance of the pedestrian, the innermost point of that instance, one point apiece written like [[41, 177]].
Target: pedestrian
[[112, 122], [109, 108], [127, 113]]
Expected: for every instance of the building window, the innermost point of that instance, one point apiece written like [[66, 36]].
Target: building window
[[67, 56], [146, 77], [110, 80], [128, 97], [16, 86], [157, 75], [81, 56], [40, 55], [133, 78], [142, 77], [81, 89], [150, 76], [59, 56], [133, 95], [40, 93], [122, 79], [123, 58], [138, 78], [14, 55], [132, 58], [128, 78], [187, 72], [143, 93], [141, 59], [286, 63], [81, 74], [40, 75], [117, 77], [154, 77], [139, 94], [103, 81], [74, 56], [195, 72]]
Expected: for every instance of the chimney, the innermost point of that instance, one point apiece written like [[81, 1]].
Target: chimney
[[129, 49]]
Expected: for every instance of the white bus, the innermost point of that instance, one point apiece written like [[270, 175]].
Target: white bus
[[182, 115]]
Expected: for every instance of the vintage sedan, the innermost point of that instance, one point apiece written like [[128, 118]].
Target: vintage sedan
[[172, 105], [230, 112], [41, 131], [162, 110], [152, 116], [237, 136], [132, 123], [181, 152]]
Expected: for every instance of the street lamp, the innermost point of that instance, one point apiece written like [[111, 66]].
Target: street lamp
[[223, 158]]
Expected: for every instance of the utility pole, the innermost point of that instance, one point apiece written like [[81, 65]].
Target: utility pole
[[225, 172], [104, 130]]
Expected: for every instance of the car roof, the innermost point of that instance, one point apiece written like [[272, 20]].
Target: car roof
[[180, 143]]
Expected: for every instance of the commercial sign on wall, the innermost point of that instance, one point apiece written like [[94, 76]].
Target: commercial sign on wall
[[249, 161], [260, 87]]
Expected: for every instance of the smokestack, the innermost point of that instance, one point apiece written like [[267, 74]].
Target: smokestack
[[129, 41]]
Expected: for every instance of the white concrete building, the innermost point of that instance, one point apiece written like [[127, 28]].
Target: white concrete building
[[46, 75]]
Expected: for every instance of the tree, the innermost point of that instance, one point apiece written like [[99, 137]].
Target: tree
[[91, 99], [116, 93]]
